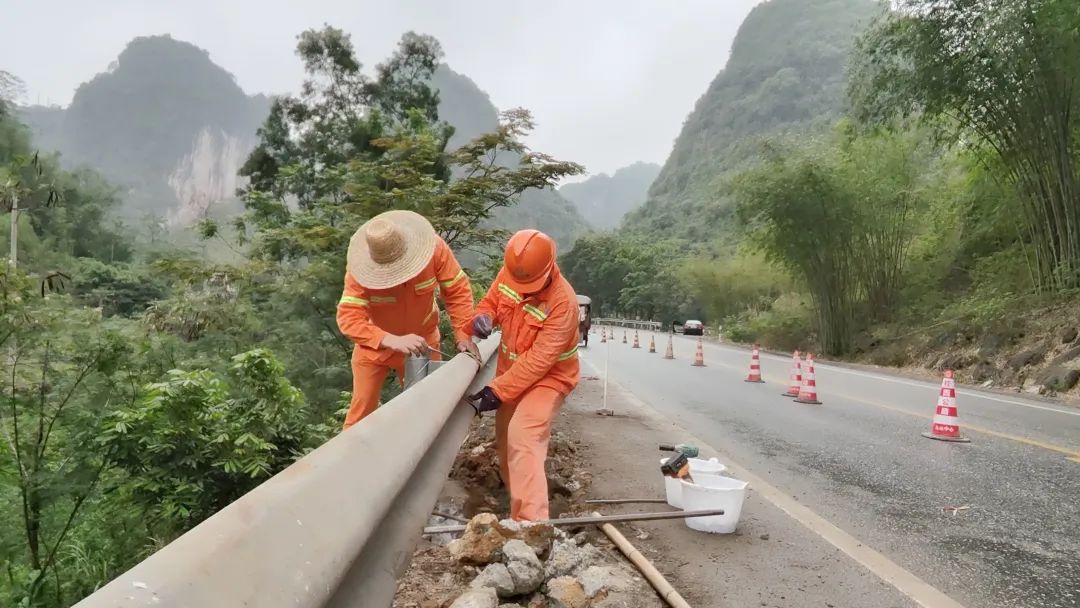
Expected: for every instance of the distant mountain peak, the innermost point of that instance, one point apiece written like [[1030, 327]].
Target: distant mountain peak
[[605, 199]]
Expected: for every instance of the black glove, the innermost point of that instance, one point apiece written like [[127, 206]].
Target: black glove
[[486, 400], [482, 326]]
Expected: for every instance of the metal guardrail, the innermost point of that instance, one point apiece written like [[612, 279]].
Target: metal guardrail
[[336, 528], [630, 323]]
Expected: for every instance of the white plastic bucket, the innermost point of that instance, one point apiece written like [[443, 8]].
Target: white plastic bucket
[[672, 489], [713, 492]]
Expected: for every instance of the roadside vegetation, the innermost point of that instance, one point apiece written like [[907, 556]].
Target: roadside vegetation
[[937, 212], [146, 387]]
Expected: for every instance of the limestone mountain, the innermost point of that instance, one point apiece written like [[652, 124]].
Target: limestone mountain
[[786, 73], [164, 123], [604, 199], [171, 128]]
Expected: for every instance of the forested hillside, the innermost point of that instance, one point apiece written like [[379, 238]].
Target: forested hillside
[[604, 199], [785, 74], [164, 123], [148, 386], [890, 188]]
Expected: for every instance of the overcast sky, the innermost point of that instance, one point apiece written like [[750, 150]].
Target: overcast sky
[[609, 82]]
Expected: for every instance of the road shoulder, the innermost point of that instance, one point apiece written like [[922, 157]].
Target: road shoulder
[[771, 560]]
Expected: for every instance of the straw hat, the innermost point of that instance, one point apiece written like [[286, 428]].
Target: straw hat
[[391, 248]]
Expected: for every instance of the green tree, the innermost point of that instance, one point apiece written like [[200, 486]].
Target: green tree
[[64, 368], [1000, 76], [195, 442]]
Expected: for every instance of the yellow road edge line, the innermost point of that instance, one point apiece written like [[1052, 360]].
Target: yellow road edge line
[[921, 592]]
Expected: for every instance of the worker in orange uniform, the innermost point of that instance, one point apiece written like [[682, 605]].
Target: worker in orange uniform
[[395, 264], [537, 366]]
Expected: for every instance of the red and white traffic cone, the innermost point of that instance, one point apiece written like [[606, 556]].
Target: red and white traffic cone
[[670, 352], [652, 343], [808, 391], [796, 377], [946, 426], [699, 355], [636, 345], [624, 336], [603, 336], [755, 366]]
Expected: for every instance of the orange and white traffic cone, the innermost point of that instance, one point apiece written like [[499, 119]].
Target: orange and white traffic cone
[[699, 355], [755, 366], [636, 345], [808, 391], [603, 336], [796, 377], [946, 426], [624, 336], [652, 343], [670, 352]]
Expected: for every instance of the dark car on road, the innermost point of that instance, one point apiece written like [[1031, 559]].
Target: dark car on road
[[693, 328]]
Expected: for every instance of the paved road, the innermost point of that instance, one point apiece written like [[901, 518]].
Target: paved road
[[859, 461]]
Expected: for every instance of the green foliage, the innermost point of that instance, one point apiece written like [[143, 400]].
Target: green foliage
[[64, 369], [840, 217], [195, 442], [1003, 74], [629, 276]]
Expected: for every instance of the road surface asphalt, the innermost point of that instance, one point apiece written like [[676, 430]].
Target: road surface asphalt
[[858, 461]]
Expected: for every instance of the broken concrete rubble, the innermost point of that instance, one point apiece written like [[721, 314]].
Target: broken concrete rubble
[[567, 558], [495, 576], [482, 542], [566, 592], [537, 536], [477, 598], [525, 568]]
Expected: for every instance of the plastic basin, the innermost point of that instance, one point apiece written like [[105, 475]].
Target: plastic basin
[[709, 491], [672, 489]]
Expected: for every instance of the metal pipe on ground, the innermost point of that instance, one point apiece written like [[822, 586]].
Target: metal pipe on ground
[[334, 529]]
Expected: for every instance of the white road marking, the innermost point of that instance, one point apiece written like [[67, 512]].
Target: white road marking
[[921, 592]]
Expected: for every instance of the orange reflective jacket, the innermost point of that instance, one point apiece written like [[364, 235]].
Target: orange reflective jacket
[[539, 336], [365, 316]]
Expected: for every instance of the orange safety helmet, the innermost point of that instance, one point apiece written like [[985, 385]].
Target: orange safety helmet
[[529, 260]]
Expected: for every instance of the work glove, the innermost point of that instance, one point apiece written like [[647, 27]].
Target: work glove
[[482, 326], [485, 401]]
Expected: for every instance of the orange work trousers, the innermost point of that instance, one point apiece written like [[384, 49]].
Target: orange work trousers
[[368, 378], [522, 432]]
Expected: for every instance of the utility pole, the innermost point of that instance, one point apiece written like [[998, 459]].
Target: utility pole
[[14, 262]]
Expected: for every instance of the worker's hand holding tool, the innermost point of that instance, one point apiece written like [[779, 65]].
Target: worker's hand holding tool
[[482, 326], [486, 400], [468, 346], [410, 344]]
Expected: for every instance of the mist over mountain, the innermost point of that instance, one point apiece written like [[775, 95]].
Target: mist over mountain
[[171, 128], [604, 199]]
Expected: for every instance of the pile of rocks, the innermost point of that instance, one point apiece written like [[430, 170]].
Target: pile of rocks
[[537, 566]]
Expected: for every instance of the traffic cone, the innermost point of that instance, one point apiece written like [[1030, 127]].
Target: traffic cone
[[624, 336], [946, 426], [652, 343], [796, 377], [808, 391], [603, 336], [755, 366], [699, 355], [670, 352], [636, 345]]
